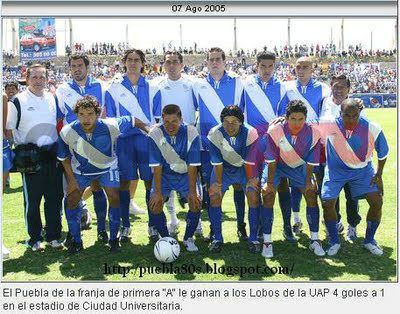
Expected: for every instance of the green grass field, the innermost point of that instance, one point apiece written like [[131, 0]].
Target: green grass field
[[353, 263]]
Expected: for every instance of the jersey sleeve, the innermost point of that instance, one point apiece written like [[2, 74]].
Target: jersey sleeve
[[155, 158], [63, 151], [314, 155], [194, 153], [111, 111], [381, 146], [157, 105], [251, 147], [12, 116], [60, 108], [282, 106], [238, 91], [272, 152], [215, 155], [125, 123]]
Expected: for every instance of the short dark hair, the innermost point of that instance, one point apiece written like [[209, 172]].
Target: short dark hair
[[172, 109], [87, 102], [232, 110], [174, 53], [339, 78], [352, 102], [296, 106], [36, 66], [77, 56], [265, 55], [10, 84], [216, 49], [138, 52]]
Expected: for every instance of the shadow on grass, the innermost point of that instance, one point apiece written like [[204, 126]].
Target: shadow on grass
[[10, 190]]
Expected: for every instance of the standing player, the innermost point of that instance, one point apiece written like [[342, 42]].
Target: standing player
[[174, 157], [350, 141], [213, 93], [340, 86], [175, 89], [263, 100], [293, 149], [87, 151], [232, 151], [132, 97], [311, 93], [68, 94]]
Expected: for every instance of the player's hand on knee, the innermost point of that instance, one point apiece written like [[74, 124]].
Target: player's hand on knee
[[156, 203], [379, 183], [311, 188], [268, 189], [215, 190], [253, 185], [194, 201], [73, 198]]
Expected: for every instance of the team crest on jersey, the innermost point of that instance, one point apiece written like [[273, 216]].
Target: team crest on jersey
[[167, 88], [31, 109], [122, 95], [69, 95]]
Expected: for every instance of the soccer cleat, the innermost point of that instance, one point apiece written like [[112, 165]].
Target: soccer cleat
[[374, 248], [102, 236], [86, 221], [254, 247], [267, 250], [56, 244], [242, 233], [210, 237], [153, 234], [173, 229], [124, 234], [297, 226], [316, 247], [37, 246], [134, 209], [190, 246], [333, 249], [114, 246], [216, 246], [351, 235], [340, 227], [68, 240], [199, 230], [75, 247], [6, 253], [288, 234]]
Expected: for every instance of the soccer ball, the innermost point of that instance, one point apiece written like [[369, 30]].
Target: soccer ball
[[167, 250]]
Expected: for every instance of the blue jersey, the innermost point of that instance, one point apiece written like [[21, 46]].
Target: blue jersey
[[6, 144], [347, 152], [92, 153], [124, 99], [174, 153], [233, 152], [263, 102], [311, 94], [212, 96], [291, 151], [70, 92]]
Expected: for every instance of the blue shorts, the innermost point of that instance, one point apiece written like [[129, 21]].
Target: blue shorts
[[206, 167], [109, 179], [178, 183], [8, 157], [230, 176], [359, 184], [296, 176], [133, 154]]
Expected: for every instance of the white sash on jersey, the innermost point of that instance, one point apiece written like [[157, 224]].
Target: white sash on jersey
[[73, 98], [227, 151], [86, 150], [129, 102], [259, 99], [212, 100], [168, 152], [311, 114]]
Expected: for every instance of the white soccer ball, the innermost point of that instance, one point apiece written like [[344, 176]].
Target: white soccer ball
[[167, 250]]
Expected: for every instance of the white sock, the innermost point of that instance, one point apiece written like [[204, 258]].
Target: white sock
[[199, 224], [267, 238], [314, 236]]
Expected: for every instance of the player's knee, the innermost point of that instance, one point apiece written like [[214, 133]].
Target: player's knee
[[215, 200], [95, 186], [124, 185], [311, 199], [147, 184], [252, 199], [73, 201], [237, 187], [113, 198], [156, 209], [268, 199]]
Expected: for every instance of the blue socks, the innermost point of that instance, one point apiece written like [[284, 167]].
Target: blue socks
[[192, 220], [267, 218], [150, 214], [296, 196], [215, 214], [254, 217], [313, 218], [285, 205], [238, 198], [100, 207], [160, 223], [370, 232], [73, 216], [114, 216], [332, 232], [124, 199]]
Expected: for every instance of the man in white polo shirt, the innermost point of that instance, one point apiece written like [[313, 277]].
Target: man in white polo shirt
[[32, 119]]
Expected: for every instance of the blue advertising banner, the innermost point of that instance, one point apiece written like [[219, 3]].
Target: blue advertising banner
[[377, 100], [37, 39]]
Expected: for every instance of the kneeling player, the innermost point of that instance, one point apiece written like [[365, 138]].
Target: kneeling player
[[233, 150], [174, 157], [86, 149], [292, 151], [350, 141]]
